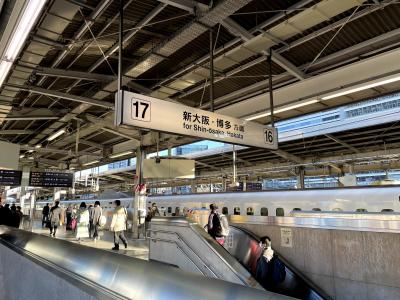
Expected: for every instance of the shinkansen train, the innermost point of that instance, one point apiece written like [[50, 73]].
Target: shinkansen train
[[272, 203], [283, 202]]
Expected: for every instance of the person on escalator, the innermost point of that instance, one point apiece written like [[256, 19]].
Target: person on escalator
[[217, 225], [270, 270]]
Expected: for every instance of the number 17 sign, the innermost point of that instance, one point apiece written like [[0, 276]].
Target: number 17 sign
[[151, 113]]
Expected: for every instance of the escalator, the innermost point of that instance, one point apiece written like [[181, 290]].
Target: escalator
[[185, 244], [244, 246]]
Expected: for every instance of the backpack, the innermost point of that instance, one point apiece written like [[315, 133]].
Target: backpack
[[224, 224], [217, 228], [279, 270]]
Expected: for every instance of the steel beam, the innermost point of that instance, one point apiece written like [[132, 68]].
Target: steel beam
[[247, 163], [187, 5], [59, 151], [91, 144], [52, 93], [288, 156], [245, 35], [206, 165], [339, 141], [61, 73], [16, 132], [129, 35]]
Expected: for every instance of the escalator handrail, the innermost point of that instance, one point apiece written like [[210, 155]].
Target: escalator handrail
[[244, 275], [288, 265]]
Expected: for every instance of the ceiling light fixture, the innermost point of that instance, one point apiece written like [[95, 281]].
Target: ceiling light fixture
[[25, 23], [362, 87], [91, 163], [283, 109], [56, 135], [38, 146], [121, 154]]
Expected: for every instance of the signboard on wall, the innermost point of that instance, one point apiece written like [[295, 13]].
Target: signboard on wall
[[169, 168], [51, 179], [286, 237], [151, 113], [10, 177], [9, 155]]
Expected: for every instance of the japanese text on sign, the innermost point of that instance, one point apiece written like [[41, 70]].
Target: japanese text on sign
[[155, 114]]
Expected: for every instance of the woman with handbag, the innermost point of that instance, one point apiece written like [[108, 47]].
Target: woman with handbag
[[82, 228]]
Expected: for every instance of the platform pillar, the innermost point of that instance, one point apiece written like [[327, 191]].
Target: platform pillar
[[193, 186], [224, 183], [300, 178], [139, 201]]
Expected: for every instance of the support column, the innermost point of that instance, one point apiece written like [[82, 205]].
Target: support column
[[300, 178], [24, 184], [244, 184], [139, 202], [32, 209], [224, 183], [193, 187], [211, 70], [271, 91]]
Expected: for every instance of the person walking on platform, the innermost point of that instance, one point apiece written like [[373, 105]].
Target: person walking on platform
[[55, 218], [7, 215], [94, 216], [68, 214], [82, 228], [20, 216], [45, 214], [118, 224]]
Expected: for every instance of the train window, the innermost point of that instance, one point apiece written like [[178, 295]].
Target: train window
[[387, 210], [337, 209], [169, 209], [177, 211], [236, 211], [264, 211], [296, 209], [225, 211], [280, 212], [361, 210], [316, 209], [250, 211]]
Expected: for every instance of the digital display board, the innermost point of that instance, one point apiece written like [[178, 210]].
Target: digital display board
[[51, 179], [10, 177]]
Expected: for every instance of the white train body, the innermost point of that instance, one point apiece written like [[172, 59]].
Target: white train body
[[271, 203], [282, 202]]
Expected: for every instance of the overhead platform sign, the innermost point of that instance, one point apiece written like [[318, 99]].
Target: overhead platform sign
[[10, 177], [51, 179], [161, 115]]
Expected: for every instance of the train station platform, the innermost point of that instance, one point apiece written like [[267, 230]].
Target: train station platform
[[137, 248]]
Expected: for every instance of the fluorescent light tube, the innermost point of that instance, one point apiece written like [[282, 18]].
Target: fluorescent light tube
[[294, 106], [23, 28], [38, 146], [91, 163], [361, 88], [56, 135], [279, 110], [121, 154]]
